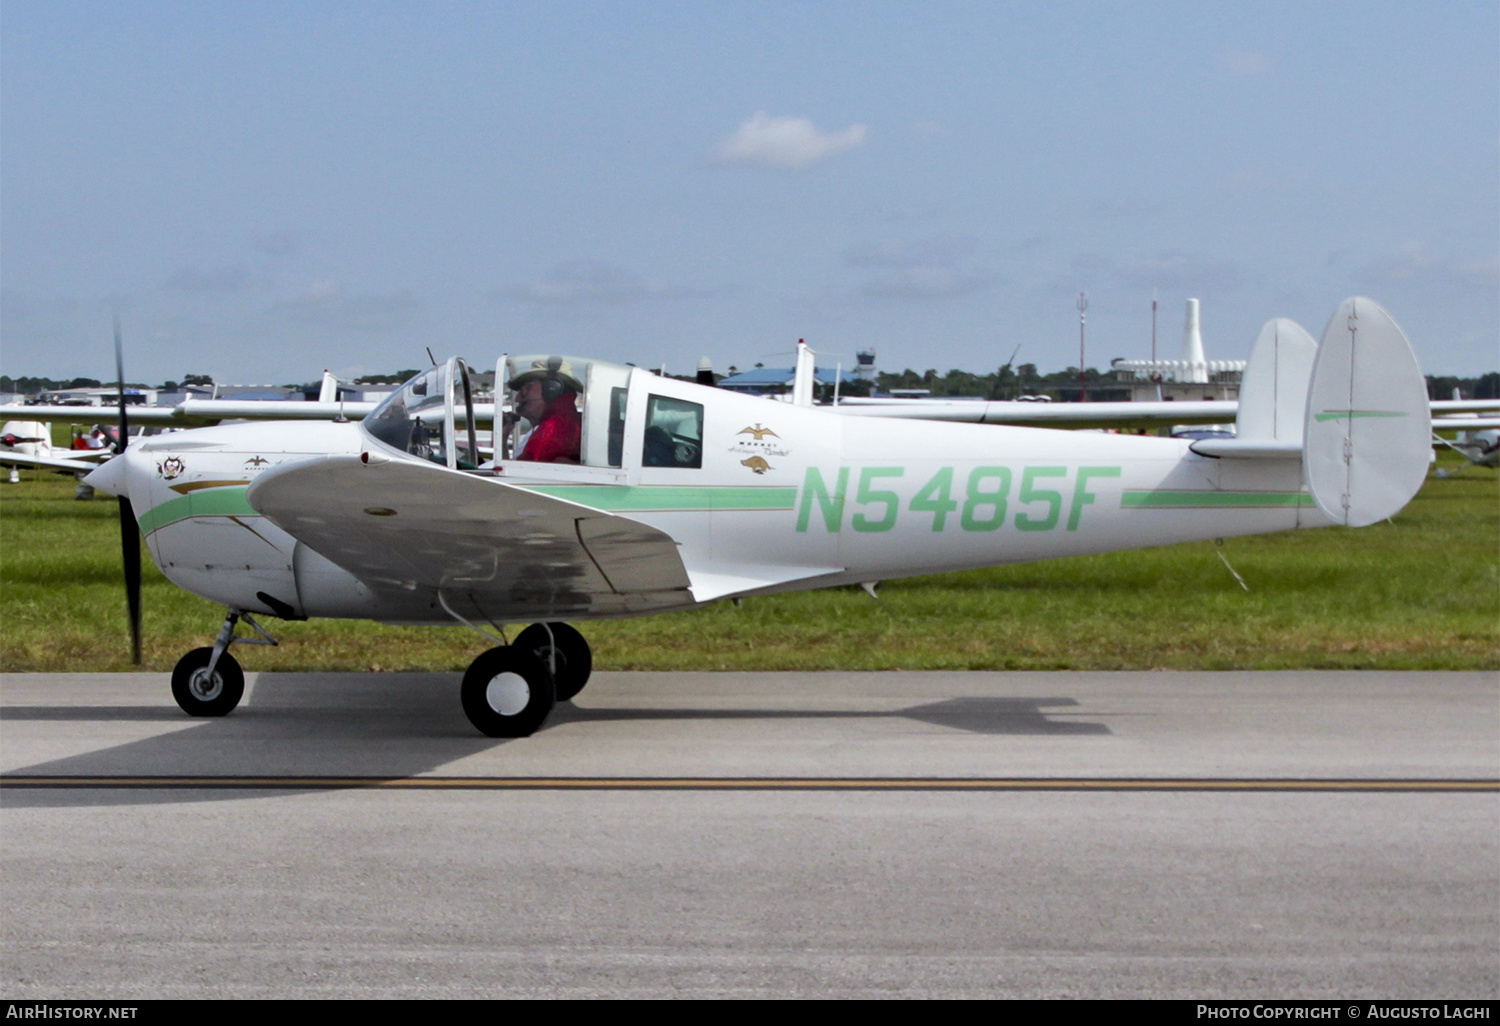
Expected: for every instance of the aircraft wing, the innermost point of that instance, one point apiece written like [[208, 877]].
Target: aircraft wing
[[1444, 407], [1058, 415], [201, 412], [1106, 414], [1464, 423], [84, 461], [487, 548], [194, 412]]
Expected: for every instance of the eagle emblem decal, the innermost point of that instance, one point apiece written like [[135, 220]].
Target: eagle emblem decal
[[758, 447]]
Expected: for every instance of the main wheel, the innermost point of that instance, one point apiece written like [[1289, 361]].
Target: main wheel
[[507, 693], [202, 695], [574, 660]]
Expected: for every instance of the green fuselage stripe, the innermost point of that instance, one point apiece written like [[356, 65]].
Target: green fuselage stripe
[[210, 502], [621, 499], [1171, 499]]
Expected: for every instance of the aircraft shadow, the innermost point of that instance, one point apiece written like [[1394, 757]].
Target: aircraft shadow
[[977, 715], [342, 727]]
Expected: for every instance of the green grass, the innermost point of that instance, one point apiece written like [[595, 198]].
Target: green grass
[[1419, 592]]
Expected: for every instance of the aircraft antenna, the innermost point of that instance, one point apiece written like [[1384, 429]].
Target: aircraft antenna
[[1083, 305], [430, 357], [1155, 372], [1153, 325]]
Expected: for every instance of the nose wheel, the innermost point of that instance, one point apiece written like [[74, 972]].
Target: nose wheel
[[204, 691], [209, 681]]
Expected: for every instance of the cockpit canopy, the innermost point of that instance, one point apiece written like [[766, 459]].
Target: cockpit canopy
[[564, 409], [548, 408]]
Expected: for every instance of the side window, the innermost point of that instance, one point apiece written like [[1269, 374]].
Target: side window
[[674, 433], [617, 397]]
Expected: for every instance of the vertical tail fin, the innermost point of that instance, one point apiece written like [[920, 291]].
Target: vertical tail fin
[[1273, 393], [806, 373], [1368, 426]]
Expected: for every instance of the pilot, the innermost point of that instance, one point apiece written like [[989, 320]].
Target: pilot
[[547, 396]]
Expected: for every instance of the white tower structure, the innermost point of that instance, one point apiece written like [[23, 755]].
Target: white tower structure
[[1192, 347]]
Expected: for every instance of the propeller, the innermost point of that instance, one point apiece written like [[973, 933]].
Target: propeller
[[130, 533]]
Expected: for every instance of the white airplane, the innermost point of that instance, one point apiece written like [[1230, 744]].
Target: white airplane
[[1481, 447], [683, 494], [28, 443]]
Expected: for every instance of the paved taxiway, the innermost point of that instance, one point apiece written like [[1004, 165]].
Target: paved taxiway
[[1357, 855]]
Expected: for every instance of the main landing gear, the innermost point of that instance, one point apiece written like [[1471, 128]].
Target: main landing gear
[[510, 691], [506, 692], [209, 681]]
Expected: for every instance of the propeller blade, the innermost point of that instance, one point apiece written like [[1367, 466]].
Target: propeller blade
[[124, 436], [130, 533], [130, 549]]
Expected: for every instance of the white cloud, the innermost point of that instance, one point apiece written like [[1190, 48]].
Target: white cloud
[[593, 281], [921, 269], [938, 251], [1416, 264], [327, 302], [1168, 270], [1246, 63], [928, 283], [785, 142], [279, 244], [222, 278]]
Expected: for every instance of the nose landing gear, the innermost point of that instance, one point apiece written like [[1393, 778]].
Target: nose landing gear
[[209, 681]]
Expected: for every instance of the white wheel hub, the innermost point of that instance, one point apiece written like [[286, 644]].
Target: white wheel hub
[[204, 687], [507, 693]]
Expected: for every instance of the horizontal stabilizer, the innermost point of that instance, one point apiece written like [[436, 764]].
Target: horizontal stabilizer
[[1368, 425], [1247, 448]]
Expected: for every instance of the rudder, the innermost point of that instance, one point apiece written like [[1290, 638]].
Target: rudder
[[1368, 425]]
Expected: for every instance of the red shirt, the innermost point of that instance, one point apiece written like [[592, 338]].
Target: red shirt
[[559, 433]]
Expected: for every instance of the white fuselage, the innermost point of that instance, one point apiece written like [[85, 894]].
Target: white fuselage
[[787, 497]]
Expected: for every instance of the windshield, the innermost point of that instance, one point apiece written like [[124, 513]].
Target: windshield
[[557, 409], [419, 417], [411, 418]]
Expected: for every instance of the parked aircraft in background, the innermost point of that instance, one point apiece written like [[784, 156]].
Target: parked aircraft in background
[[28, 443], [1480, 447], [660, 494]]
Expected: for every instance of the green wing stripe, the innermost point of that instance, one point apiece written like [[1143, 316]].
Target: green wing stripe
[[1171, 499], [617, 499], [210, 502]]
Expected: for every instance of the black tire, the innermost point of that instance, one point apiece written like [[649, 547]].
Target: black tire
[[574, 659], [507, 693], [200, 695]]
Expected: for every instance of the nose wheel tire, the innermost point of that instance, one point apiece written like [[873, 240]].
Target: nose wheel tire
[[202, 694], [572, 657], [507, 692]]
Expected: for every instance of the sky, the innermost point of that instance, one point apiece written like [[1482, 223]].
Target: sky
[[264, 190]]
